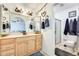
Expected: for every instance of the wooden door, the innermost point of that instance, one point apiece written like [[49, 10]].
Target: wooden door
[[31, 44], [7, 47], [21, 47], [38, 42]]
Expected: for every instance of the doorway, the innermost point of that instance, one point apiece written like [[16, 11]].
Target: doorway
[[57, 31]]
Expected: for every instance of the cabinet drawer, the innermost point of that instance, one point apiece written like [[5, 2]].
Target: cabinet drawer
[[8, 53], [7, 41], [6, 47]]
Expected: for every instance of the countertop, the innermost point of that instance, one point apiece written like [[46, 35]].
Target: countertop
[[17, 35]]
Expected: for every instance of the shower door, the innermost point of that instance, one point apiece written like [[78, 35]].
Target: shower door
[[57, 31]]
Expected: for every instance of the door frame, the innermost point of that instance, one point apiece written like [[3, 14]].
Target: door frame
[[55, 30]]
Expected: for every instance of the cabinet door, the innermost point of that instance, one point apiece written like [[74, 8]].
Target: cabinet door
[[7, 47], [21, 47], [10, 52], [6, 41], [38, 42], [31, 45]]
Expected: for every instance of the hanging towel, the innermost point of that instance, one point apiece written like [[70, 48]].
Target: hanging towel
[[66, 30], [31, 26], [43, 25], [4, 27], [71, 28], [78, 25], [47, 22], [74, 27], [7, 25]]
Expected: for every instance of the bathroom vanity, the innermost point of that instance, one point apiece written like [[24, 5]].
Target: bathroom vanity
[[16, 44], [20, 45]]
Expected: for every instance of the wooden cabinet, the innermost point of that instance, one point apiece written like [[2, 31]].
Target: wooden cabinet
[[7, 47], [38, 42], [6, 41], [31, 44], [20, 46], [25, 45], [10, 52]]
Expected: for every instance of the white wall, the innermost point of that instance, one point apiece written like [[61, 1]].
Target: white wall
[[48, 39], [63, 15]]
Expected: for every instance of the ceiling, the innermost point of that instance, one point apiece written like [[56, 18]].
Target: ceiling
[[58, 7], [30, 6], [36, 6], [33, 6]]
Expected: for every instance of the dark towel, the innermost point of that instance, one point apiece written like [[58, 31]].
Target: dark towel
[[31, 26], [7, 25], [43, 25], [4, 27], [67, 29], [71, 28], [74, 27], [47, 22]]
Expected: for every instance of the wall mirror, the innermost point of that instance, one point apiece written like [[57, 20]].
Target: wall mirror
[[17, 23], [20, 23]]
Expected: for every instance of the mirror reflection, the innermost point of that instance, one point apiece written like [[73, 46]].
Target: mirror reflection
[[17, 24]]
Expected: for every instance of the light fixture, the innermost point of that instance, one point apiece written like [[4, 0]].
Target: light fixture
[[19, 10], [5, 8], [30, 13]]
